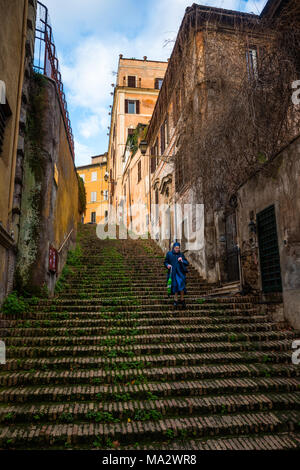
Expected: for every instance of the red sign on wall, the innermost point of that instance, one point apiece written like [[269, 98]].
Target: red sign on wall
[[53, 259]]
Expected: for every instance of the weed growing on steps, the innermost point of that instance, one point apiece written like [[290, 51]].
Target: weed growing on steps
[[13, 304], [74, 260]]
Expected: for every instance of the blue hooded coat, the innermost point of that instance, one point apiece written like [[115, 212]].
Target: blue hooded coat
[[179, 269]]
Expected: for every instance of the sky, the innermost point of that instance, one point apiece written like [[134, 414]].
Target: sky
[[89, 36]]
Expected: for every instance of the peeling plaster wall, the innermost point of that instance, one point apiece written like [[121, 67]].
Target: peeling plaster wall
[[279, 187], [49, 210]]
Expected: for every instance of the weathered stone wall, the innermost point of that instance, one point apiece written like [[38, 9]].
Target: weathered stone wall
[[17, 26], [49, 207], [278, 185]]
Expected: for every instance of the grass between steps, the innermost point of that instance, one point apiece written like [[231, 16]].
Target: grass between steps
[[141, 390]]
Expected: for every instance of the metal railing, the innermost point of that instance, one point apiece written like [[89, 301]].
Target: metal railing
[[46, 62], [65, 241]]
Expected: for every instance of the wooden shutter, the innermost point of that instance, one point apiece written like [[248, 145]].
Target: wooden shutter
[[156, 84], [167, 130], [5, 113], [126, 106], [152, 160], [137, 103], [153, 164], [139, 171], [162, 138], [131, 81], [2, 126]]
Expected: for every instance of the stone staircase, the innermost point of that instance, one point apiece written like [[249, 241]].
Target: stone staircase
[[109, 364]]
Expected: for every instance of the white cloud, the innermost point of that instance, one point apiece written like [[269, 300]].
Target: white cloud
[[255, 6], [93, 124], [84, 152]]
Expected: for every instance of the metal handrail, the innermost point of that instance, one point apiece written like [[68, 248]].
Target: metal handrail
[[46, 63], [66, 239]]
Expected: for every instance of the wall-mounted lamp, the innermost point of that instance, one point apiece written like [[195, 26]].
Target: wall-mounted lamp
[[106, 178], [143, 147]]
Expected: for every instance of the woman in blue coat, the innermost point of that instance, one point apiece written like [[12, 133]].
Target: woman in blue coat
[[177, 261]]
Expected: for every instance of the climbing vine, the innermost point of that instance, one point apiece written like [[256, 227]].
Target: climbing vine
[[81, 195], [234, 119], [34, 175]]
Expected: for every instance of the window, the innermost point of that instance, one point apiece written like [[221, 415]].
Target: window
[[82, 176], [5, 112], [158, 83], [93, 217], [162, 138], [106, 215], [153, 159], [251, 59], [167, 130], [94, 176], [179, 172], [139, 171], [131, 80], [132, 106], [176, 104], [105, 195], [93, 196]]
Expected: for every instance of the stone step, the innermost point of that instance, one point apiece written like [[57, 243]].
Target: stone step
[[133, 336], [146, 348], [113, 320], [113, 312], [127, 329], [100, 435], [144, 292], [109, 358], [280, 441], [124, 355], [143, 372], [144, 410], [120, 301], [133, 305]]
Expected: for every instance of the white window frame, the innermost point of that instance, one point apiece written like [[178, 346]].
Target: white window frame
[[132, 101], [94, 196], [94, 176]]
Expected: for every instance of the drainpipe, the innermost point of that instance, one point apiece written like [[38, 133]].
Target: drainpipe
[[18, 111]]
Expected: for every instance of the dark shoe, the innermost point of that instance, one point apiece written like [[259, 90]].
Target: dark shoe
[[175, 304], [183, 304]]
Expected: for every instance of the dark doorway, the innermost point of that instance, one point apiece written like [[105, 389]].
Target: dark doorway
[[268, 250], [232, 254]]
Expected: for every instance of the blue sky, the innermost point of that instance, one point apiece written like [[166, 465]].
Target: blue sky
[[90, 35]]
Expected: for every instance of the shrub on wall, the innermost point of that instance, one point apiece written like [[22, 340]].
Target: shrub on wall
[[81, 195]]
